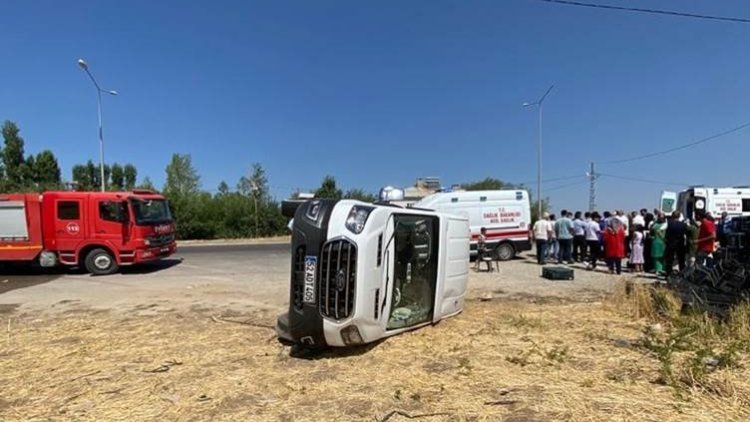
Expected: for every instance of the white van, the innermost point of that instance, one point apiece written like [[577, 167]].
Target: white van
[[735, 201], [361, 272], [504, 213]]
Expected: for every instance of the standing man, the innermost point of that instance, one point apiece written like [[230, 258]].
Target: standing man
[[691, 243], [553, 247], [564, 232], [592, 240], [620, 215], [639, 218], [541, 232], [625, 222], [579, 237], [706, 239], [675, 238], [648, 260]]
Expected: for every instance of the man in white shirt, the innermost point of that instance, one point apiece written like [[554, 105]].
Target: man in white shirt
[[592, 239], [638, 220], [620, 214], [579, 236], [541, 232]]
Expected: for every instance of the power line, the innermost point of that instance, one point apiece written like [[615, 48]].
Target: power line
[[681, 147], [567, 185], [555, 179], [650, 11], [636, 179]]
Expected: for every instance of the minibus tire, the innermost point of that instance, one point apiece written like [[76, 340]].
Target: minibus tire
[[101, 262]]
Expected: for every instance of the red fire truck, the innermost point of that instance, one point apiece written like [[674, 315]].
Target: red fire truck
[[100, 231]]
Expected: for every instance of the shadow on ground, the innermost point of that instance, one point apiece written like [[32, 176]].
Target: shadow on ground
[[16, 276], [20, 276], [305, 353], [151, 267]]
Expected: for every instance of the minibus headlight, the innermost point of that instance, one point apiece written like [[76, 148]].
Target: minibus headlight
[[357, 218], [350, 335]]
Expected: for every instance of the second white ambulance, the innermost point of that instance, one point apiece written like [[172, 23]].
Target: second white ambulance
[[505, 214]]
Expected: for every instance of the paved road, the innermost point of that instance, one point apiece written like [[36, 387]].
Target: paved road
[[236, 276], [239, 278]]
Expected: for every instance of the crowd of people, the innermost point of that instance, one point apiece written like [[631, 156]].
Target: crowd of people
[[650, 241]]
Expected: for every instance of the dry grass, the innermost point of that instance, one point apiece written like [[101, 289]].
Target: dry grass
[[499, 360]]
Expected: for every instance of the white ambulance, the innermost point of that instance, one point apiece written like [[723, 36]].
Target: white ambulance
[[505, 214], [735, 201]]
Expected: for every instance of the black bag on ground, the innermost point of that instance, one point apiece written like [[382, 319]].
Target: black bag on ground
[[558, 273]]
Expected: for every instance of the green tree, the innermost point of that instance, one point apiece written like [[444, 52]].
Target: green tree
[[87, 177], [535, 208], [182, 178], [12, 156], [3, 180], [28, 174], [360, 195], [190, 206], [94, 175], [489, 183], [147, 184], [47, 171], [131, 174], [82, 177], [117, 178], [328, 189], [223, 188], [256, 185]]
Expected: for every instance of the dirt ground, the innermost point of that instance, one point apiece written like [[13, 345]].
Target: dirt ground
[[531, 350]]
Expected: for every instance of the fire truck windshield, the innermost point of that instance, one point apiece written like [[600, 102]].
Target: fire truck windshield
[[151, 211]]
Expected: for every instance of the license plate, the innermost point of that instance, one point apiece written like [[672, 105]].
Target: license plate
[[311, 265], [162, 250]]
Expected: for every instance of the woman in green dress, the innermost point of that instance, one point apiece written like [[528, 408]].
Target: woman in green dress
[[658, 234]]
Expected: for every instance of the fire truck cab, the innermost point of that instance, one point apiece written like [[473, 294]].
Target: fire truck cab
[[98, 230]]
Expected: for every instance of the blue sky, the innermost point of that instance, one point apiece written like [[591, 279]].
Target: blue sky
[[380, 93]]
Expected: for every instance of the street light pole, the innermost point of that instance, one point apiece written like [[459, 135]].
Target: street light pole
[[99, 91], [254, 187], [540, 104]]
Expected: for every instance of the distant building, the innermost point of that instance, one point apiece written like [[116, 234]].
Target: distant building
[[423, 187]]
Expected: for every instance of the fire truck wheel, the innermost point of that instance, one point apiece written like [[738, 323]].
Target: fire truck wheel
[[505, 251], [100, 262]]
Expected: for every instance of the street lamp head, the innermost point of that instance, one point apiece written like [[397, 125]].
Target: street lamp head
[[113, 93], [528, 104], [83, 64]]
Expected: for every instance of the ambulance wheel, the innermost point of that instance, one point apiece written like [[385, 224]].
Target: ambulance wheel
[[505, 252], [100, 262]]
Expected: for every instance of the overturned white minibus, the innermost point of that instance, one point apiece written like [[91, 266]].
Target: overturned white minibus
[[361, 272]]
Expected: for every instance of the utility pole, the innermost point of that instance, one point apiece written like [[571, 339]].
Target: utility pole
[[255, 189], [82, 63], [592, 175], [539, 104]]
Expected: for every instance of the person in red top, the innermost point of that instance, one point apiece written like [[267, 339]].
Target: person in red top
[[614, 247], [706, 238]]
